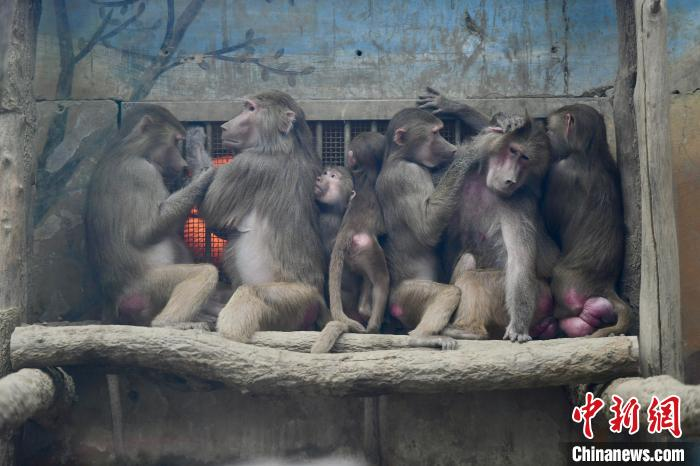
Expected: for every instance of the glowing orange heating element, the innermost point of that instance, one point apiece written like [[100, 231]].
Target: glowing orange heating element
[[205, 246]]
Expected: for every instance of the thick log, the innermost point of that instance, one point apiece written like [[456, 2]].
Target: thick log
[[476, 365], [660, 337], [18, 28], [30, 393], [661, 386]]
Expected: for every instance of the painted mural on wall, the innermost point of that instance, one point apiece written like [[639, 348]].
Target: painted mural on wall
[[220, 49]]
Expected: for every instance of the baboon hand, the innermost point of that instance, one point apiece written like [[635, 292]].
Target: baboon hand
[[435, 102], [507, 122], [196, 156], [517, 333]]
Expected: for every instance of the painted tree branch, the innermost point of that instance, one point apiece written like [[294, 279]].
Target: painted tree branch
[[32, 392], [484, 365], [661, 386]]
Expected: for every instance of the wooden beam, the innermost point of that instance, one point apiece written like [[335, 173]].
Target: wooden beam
[[371, 109], [475, 365], [660, 312]]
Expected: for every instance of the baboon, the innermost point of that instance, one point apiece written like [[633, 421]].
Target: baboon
[[334, 190], [499, 224], [263, 202], [357, 243], [583, 212], [357, 264], [416, 214], [133, 223]]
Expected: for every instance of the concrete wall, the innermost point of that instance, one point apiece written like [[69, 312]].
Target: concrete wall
[[320, 49], [165, 424]]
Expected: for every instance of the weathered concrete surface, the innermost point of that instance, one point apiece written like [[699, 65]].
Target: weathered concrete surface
[[70, 141], [522, 427], [164, 425]]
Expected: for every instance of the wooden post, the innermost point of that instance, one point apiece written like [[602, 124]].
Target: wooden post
[[659, 312], [627, 151], [18, 25]]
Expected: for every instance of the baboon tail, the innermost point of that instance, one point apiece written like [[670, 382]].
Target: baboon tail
[[624, 317], [329, 335]]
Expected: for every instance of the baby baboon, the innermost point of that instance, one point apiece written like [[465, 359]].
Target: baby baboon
[[483, 312], [263, 201], [583, 212], [133, 223], [416, 214], [358, 265], [333, 192]]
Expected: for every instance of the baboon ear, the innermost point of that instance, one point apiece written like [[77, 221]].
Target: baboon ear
[[352, 195], [351, 159], [569, 118], [400, 136], [144, 124], [287, 121]]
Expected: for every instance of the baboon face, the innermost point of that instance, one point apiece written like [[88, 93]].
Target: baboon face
[[515, 158], [430, 149], [507, 169], [333, 187], [164, 148], [242, 131], [261, 119]]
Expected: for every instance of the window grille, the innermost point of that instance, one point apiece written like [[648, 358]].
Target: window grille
[[330, 138]]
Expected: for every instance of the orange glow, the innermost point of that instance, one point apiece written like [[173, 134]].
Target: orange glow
[[196, 235]]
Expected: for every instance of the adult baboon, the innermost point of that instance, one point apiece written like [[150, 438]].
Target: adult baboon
[[133, 222], [583, 212], [263, 200], [499, 228], [416, 214]]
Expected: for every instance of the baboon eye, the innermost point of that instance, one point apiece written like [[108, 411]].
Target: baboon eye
[[333, 175], [525, 157]]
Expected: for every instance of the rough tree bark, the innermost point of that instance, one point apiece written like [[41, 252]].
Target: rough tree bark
[[18, 25], [482, 365], [627, 151], [660, 339], [32, 392]]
